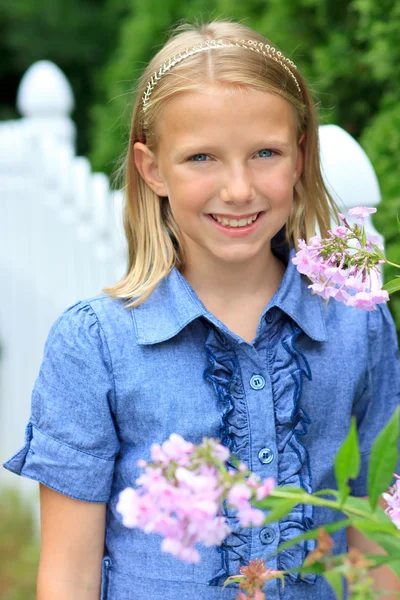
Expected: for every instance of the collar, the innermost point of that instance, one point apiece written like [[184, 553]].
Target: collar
[[174, 304], [295, 299]]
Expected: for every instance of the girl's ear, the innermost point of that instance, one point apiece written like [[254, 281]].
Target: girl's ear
[[299, 158], [147, 165]]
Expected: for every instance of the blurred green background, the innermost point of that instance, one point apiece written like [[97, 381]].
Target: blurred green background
[[19, 548], [349, 51]]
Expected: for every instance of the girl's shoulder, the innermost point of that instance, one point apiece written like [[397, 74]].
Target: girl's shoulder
[[96, 327], [373, 331], [101, 311]]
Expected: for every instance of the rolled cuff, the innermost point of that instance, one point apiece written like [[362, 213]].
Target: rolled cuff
[[62, 468]]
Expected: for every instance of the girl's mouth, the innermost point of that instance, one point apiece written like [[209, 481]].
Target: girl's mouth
[[228, 222]]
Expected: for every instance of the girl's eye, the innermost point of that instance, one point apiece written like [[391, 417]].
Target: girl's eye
[[198, 157], [265, 153]]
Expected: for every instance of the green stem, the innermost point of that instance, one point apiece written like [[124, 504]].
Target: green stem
[[392, 264], [315, 501]]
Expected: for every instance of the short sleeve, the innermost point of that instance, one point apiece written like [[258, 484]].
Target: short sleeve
[[381, 394], [71, 440]]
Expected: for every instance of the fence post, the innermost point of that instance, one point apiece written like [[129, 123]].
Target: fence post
[[348, 173]]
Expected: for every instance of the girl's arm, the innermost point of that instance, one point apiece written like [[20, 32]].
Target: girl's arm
[[384, 578], [72, 547]]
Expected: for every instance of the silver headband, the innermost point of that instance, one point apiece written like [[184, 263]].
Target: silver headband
[[265, 49]]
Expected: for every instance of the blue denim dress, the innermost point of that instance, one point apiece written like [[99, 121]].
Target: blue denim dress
[[113, 381]]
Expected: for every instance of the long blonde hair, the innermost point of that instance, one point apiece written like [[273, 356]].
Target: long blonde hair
[[154, 240]]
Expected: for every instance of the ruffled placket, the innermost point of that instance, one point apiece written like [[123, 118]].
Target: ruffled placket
[[289, 370], [224, 374]]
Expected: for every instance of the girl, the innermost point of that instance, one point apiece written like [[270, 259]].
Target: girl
[[211, 333]]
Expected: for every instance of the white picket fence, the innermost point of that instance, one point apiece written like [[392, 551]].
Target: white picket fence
[[61, 235]]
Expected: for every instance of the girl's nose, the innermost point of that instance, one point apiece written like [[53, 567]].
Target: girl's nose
[[238, 186]]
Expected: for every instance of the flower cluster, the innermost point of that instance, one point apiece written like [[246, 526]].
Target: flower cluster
[[393, 502], [252, 579], [346, 264], [181, 493]]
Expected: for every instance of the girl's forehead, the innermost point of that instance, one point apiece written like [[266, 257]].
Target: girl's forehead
[[220, 109]]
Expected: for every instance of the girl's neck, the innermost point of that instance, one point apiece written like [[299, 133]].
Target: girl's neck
[[221, 283]]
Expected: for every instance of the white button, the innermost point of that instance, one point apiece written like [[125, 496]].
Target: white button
[[267, 535], [265, 456], [257, 382]]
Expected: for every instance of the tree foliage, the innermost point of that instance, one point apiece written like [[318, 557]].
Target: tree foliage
[[77, 36]]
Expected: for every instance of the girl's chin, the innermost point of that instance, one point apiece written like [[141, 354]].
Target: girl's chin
[[242, 256]]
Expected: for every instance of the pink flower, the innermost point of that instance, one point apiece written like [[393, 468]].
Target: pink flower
[[366, 301], [239, 495], [341, 231], [321, 289], [303, 262], [249, 516], [344, 265], [265, 488], [393, 501], [253, 481], [176, 448], [179, 550], [336, 276], [360, 212], [380, 296], [127, 506], [341, 295], [180, 496], [315, 241], [221, 452]]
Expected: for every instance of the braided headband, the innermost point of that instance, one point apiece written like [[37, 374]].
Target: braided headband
[[265, 49]]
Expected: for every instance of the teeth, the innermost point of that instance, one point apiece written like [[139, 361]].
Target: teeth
[[235, 222]]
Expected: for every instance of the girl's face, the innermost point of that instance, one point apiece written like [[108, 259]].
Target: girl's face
[[228, 160]]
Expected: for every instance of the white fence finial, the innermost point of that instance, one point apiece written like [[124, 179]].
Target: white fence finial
[[46, 100], [347, 170]]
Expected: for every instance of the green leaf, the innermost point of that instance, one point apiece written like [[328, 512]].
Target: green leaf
[[232, 579], [295, 491], [328, 493], [347, 462], [281, 510], [363, 237], [392, 286], [378, 251], [313, 534], [383, 459], [316, 568], [388, 528], [335, 580], [383, 559], [359, 504]]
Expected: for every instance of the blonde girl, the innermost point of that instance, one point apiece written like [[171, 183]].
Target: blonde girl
[[211, 333]]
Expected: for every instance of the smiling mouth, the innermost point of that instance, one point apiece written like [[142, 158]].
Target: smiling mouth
[[242, 222]]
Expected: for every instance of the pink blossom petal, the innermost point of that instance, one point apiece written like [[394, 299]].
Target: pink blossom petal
[[251, 517], [360, 212], [265, 488], [239, 495]]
